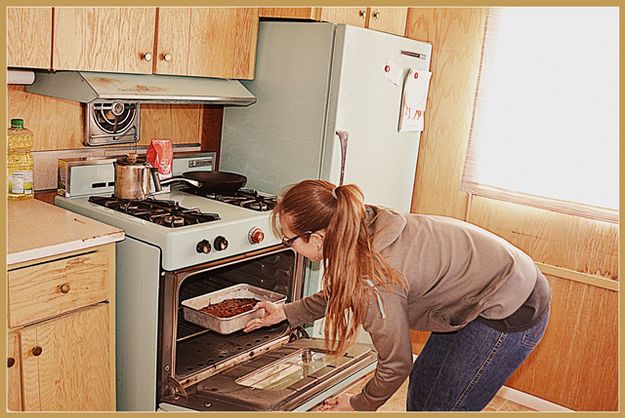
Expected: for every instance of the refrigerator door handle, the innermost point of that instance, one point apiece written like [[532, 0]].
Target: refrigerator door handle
[[343, 135]]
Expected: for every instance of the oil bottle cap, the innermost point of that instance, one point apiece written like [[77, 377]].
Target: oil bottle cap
[[17, 123]]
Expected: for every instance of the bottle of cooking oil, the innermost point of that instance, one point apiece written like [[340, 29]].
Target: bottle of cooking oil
[[19, 161]]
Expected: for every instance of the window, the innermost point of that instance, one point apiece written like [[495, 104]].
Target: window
[[545, 126]]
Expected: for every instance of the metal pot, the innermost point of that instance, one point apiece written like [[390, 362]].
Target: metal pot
[[132, 177]]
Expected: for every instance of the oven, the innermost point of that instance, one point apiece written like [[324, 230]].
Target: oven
[[163, 361]]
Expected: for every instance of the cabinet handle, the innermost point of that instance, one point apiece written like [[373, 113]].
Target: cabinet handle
[[147, 56], [64, 288], [10, 362], [36, 351], [362, 13], [376, 14], [167, 57]]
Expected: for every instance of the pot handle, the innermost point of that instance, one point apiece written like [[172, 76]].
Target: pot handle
[[155, 179]]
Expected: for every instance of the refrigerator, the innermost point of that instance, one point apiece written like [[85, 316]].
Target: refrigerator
[[312, 79]]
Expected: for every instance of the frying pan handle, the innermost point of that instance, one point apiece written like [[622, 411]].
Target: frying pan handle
[[180, 179]]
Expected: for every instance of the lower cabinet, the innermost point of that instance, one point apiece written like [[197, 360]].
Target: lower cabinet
[[65, 363], [61, 332]]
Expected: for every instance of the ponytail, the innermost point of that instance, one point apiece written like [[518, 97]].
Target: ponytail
[[349, 257]]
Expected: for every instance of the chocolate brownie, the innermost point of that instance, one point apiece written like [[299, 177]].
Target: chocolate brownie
[[230, 307]]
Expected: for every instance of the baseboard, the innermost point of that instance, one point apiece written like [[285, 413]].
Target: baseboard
[[530, 401]]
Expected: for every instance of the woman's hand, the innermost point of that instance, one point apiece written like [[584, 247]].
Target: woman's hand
[[272, 315], [338, 403]]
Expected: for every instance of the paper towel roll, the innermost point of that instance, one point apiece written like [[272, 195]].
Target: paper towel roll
[[20, 77]]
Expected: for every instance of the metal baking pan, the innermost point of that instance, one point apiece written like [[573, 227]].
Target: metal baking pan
[[191, 307]]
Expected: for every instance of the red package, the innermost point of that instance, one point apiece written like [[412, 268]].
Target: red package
[[160, 154]]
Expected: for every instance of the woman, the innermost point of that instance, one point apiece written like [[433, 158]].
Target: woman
[[484, 300]]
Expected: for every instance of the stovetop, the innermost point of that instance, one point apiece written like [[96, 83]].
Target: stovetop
[[167, 213], [228, 228]]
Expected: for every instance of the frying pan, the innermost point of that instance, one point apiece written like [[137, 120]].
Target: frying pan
[[210, 181]]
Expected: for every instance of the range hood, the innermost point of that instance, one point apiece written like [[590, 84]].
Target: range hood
[[88, 87]]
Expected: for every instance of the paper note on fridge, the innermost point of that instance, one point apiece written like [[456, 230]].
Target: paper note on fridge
[[393, 72], [413, 100]]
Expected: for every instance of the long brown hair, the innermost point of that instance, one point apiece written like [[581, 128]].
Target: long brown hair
[[348, 253]]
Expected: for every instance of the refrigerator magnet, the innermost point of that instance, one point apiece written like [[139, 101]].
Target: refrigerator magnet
[[393, 72], [413, 100]]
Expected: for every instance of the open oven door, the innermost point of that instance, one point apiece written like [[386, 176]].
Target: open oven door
[[294, 376]]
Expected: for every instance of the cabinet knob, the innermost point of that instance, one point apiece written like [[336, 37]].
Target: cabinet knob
[[147, 56], [362, 13], [10, 362], [36, 351], [64, 288], [376, 14], [167, 57]]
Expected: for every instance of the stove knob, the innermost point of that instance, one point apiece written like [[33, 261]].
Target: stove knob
[[203, 247], [256, 235], [220, 243]]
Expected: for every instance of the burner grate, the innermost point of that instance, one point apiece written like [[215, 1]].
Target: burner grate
[[167, 213], [246, 198]]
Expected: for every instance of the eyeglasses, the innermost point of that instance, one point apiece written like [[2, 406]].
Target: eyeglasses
[[288, 242]]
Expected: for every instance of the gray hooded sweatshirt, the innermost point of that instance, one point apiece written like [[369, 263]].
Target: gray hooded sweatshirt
[[455, 272]]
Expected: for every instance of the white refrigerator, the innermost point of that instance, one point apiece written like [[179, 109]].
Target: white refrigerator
[[311, 80]]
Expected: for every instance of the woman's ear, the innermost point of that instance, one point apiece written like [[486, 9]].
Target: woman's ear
[[317, 239]]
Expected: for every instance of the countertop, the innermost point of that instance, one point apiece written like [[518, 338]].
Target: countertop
[[37, 229]]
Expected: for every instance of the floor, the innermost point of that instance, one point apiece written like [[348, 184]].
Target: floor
[[398, 400]]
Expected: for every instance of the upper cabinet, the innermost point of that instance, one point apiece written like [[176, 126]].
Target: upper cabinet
[[210, 42], [384, 19], [388, 19], [113, 39], [29, 41], [355, 16]]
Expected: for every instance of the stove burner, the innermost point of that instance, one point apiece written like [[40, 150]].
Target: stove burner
[[246, 198], [162, 212]]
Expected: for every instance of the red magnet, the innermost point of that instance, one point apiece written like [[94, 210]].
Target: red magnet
[[387, 68], [416, 75]]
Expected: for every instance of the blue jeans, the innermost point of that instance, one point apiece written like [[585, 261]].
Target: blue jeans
[[463, 370]]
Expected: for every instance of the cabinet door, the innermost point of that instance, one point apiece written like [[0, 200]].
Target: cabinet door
[[67, 363], [29, 37], [110, 39], [209, 41], [388, 19], [355, 16], [289, 12], [14, 386]]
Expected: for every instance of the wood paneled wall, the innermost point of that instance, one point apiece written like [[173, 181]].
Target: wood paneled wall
[[580, 347], [59, 124]]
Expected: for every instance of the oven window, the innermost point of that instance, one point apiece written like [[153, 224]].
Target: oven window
[[198, 348], [290, 370]]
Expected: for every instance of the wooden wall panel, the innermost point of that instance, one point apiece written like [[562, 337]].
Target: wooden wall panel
[[576, 363], [58, 124], [557, 239], [289, 12], [456, 37]]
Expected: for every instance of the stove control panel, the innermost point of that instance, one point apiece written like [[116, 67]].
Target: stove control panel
[[203, 247], [220, 243], [256, 235]]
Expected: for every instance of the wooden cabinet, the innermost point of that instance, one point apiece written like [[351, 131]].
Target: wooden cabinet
[[388, 19], [61, 332], [14, 366], [114, 39], [29, 40], [65, 362], [210, 41], [384, 19], [355, 16]]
